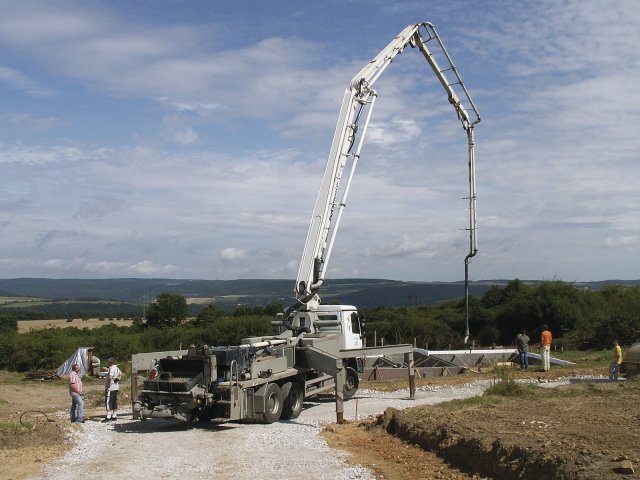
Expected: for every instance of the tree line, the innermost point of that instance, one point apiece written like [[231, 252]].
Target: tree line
[[579, 319]]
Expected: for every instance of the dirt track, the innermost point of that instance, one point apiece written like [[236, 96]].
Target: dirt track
[[283, 450], [588, 431]]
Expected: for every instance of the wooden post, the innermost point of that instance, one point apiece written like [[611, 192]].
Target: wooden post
[[90, 361], [408, 358], [340, 379], [134, 392]]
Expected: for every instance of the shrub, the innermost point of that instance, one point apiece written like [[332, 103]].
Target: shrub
[[506, 386]]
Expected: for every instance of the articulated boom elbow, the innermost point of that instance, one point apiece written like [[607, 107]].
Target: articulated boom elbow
[[357, 105]]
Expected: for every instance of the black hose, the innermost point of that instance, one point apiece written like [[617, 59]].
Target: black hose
[[34, 411]]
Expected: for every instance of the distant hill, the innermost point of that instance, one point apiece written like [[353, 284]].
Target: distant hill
[[407, 294], [360, 292], [364, 293]]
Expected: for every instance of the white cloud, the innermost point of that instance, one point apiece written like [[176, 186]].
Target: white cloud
[[99, 207], [202, 108], [395, 131], [626, 241], [15, 121], [36, 156], [406, 247], [232, 254], [177, 128], [186, 136], [147, 268], [54, 263], [20, 81]]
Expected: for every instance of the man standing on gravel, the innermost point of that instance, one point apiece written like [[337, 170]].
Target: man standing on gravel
[[545, 346], [111, 389], [614, 368], [76, 413], [522, 343]]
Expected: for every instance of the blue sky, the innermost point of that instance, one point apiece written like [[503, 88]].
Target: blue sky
[[188, 139]]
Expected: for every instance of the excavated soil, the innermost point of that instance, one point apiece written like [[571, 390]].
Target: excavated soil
[[584, 430]]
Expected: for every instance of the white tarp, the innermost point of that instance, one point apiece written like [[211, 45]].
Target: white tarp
[[81, 357]]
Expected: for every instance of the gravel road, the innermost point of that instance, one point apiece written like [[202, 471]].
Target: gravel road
[[284, 450]]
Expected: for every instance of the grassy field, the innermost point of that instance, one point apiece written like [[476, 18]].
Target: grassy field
[[27, 325], [20, 300]]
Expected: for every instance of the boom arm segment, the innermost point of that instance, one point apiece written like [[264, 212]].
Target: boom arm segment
[[355, 112]]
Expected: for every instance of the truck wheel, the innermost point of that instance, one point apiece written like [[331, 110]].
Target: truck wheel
[[205, 416], [293, 402], [351, 383], [272, 403]]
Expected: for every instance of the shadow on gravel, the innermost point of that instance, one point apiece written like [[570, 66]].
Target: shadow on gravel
[[153, 426], [591, 380]]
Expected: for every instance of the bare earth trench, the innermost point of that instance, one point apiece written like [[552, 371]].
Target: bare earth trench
[[283, 450]]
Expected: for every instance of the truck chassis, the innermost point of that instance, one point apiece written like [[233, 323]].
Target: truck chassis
[[263, 380]]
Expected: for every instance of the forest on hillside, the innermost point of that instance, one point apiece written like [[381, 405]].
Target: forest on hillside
[[578, 318]]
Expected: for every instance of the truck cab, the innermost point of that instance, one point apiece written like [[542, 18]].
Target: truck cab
[[343, 320]]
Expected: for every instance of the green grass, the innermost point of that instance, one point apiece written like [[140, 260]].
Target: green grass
[[587, 390], [15, 428], [509, 389], [471, 402], [506, 386], [7, 300], [587, 358], [11, 378], [454, 406]]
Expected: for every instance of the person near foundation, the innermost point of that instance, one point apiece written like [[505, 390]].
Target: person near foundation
[[111, 389], [545, 347], [76, 412]]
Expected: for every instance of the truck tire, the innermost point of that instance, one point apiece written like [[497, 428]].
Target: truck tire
[[293, 401], [272, 403], [205, 416], [351, 383]]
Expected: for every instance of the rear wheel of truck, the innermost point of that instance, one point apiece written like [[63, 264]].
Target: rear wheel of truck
[[272, 403], [204, 416], [351, 383], [293, 401]]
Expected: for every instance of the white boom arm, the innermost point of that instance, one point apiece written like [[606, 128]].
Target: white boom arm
[[357, 105]]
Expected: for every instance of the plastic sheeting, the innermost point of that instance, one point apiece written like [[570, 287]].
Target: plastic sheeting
[[81, 357]]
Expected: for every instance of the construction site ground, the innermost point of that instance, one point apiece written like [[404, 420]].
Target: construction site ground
[[587, 429]]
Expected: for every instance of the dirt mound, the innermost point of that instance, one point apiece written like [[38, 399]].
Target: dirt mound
[[581, 431], [387, 455], [37, 434], [26, 446]]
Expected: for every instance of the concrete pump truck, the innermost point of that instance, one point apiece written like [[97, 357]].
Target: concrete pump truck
[[318, 348]]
